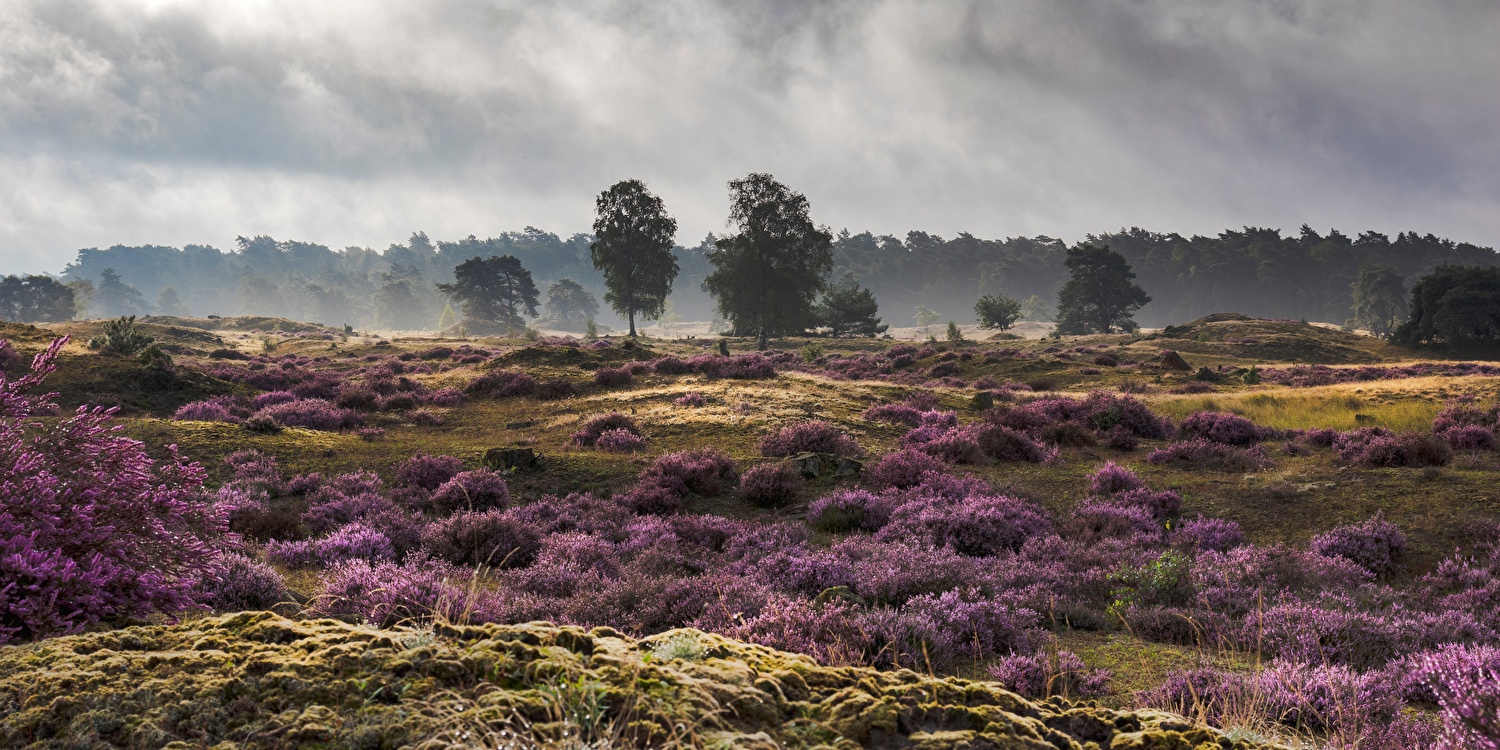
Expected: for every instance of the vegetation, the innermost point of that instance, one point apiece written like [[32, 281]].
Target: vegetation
[[1456, 305], [997, 311], [35, 299], [847, 309], [494, 291], [633, 250], [767, 276], [570, 306], [1379, 300], [1100, 296]]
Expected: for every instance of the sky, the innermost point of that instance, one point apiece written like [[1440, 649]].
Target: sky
[[357, 123]]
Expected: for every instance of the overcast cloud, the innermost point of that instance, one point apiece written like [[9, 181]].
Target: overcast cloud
[[356, 123]]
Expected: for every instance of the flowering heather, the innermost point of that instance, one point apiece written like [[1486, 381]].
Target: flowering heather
[[386, 593], [894, 414], [1209, 534], [1112, 478], [1306, 376], [123, 536], [337, 510], [1221, 427], [502, 384], [1095, 518], [1374, 544], [235, 583], [314, 414], [850, 510], [599, 424], [210, 410], [1043, 674], [353, 542], [273, 398], [691, 399], [619, 440], [1378, 447], [771, 485], [1466, 682], [612, 377], [425, 418], [705, 472], [445, 397], [1201, 450], [358, 397], [951, 628], [670, 365], [1469, 437], [979, 526], [490, 538], [1005, 444], [901, 469], [815, 436], [370, 434], [427, 472], [480, 489]]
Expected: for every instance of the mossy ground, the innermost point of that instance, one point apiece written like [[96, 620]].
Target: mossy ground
[[261, 681], [1301, 496]]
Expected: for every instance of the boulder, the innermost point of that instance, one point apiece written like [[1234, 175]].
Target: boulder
[[510, 459], [1174, 361]]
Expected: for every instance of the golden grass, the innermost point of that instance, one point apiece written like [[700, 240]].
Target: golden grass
[[1400, 405]]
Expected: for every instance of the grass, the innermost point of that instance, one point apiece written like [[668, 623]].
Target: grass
[[1400, 405]]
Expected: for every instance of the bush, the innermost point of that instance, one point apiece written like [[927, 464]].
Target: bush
[[314, 414], [1374, 545], [502, 384], [850, 510], [619, 441], [612, 377], [704, 472], [427, 472], [771, 485], [1219, 427], [1200, 450], [261, 424], [691, 399], [902, 469], [210, 410], [1469, 438], [272, 398], [808, 437], [121, 337], [480, 489], [978, 526], [597, 425], [386, 594], [237, 583], [1209, 534], [116, 536], [482, 538], [1043, 674], [358, 398], [1112, 478], [1378, 447], [352, 542], [1005, 444]]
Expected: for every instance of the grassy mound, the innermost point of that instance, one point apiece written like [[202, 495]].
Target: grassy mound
[[1243, 337], [256, 679]]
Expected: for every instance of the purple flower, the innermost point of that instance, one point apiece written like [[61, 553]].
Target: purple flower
[[808, 437], [771, 485]]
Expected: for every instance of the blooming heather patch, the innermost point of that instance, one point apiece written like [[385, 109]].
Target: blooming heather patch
[[613, 377], [211, 410], [502, 384], [1374, 545], [1200, 450], [314, 414], [771, 485], [597, 425], [815, 436], [619, 440], [1042, 674], [1220, 427], [691, 399]]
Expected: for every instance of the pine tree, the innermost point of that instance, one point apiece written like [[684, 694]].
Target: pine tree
[[1100, 296]]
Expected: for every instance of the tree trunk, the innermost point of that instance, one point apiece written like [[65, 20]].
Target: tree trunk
[[631, 316]]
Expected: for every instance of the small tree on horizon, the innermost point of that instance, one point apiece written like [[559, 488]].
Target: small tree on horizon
[[570, 304], [633, 250], [1100, 296], [768, 274], [847, 309], [493, 290], [997, 311], [1379, 299]]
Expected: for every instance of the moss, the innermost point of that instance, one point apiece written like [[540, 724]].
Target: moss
[[256, 679]]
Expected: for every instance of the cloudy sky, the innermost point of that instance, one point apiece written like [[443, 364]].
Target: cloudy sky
[[356, 123]]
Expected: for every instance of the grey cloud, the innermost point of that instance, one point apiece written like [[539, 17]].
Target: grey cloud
[[173, 122]]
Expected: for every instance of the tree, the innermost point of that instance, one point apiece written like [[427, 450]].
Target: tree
[[398, 305], [35, 299], [1453, 305], [1036, 309], [847, 309], [767, 275], [570, 305], [1379, 299], [633, 250], [997, 311], [83, 297], [493, 290], [1100, 296], [926, 316], [168, 303], [114, 297]]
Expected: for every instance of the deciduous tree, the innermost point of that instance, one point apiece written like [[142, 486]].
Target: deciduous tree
[[633, 249], [997, 311]]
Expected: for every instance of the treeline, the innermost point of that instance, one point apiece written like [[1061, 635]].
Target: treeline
[[920, 277]]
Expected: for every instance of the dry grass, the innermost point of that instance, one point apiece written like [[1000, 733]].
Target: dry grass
[[1400, 405]]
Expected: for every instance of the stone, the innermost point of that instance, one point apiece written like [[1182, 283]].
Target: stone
[[510, 459], [1174, 361]]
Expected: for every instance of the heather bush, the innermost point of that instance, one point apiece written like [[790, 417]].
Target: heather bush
[[235, 583], [950, 629], [1203, 451], [480, 489], [1469, 438], [705, 472], [850, 510], [1220, 427], [386, 594], [1006, 444], [502, 384], [902, 469], [209, 410], [691, 399], [1374, 545], [329, 511], [808, 437], [427, 472], [92, 527], [314, 414], [1466, 683], [670, 365], [1112, 478], [1094, 519], [1208, 534], [612, 377], [771, 485], [619, 440], [353, 542], [1379, 447], [273, 398], [979, 526], [489, 538], [1043, 674], [597, 425]]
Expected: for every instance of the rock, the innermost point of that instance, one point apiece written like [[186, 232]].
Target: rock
[[724, 347], [1174, 361], [848, 467], [510, 459], [1206, 375], [983, 400]]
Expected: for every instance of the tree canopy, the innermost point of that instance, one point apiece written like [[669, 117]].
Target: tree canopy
[[633, 250], [493, 290], [1101, 295], [1379, 299], [768, 274], [1456, 305], [569, 305], [997, 311], [848, 309], [35, 299]]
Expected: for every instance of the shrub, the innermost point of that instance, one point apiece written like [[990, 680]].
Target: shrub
[[771, 485], [427, 472], [691, 399], [272, 398], [502, 384], [314, 414], [1220, 427], [398, 402], [1209, 534], [1112, 478], [815, 436], [386, 594], [894, 413], [1042, 674], [480, 489], [850, 510], [1121, 439], [1466, 684], [211, 410], [978, 526], [482, 538], [425, 417], [353, 542], [261, 424], [357, 397], [236, 583], [1470, 438], [1200, 450], [1377, 447], [902, 469], [1374, 544], [619, 441], [121, 337], [612, 377], [1005, 444], [599, 424], [670, 365], [115, 535], [704, 472]]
